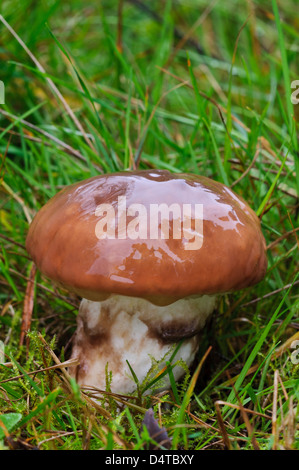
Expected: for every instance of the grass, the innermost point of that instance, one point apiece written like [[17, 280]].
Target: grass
[[200, 87]]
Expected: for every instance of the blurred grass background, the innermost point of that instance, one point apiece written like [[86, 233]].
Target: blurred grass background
[[189, 86]]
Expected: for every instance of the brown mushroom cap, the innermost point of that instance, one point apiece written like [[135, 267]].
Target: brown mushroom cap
[[63, 243]]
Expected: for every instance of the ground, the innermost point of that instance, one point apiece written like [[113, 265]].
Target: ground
[[190, 86]]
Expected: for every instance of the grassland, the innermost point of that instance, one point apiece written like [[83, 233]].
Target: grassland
[[190, 86]]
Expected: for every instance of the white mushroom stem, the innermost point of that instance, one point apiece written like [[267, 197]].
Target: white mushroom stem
[[122, 329]]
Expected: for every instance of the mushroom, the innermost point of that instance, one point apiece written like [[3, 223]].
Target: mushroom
[[149, 252]]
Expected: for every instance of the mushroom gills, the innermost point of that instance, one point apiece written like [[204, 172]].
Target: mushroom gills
[[122, 330]]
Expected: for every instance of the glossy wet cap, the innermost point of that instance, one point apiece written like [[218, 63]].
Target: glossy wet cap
[[68, 237]]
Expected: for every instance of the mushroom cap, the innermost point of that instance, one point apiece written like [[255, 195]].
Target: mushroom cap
[[63, 243]]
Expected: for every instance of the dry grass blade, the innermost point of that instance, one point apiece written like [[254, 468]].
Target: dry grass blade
[[3, 159], [274, 412], [62, 365], [238, 407], [244, 412], [28, 306], [249, 427], [10, 240], [119, 44], [279, 239], [276, 291], [93, 392], [188, 395], [177, 33], [67, 148], [232, 380], [287, 344], [58, 436], [189, 33], [294, 230], [247, 169], [46, 289], [290, 426], [222, 428], [146, 127], [50, 82], [18, 199]]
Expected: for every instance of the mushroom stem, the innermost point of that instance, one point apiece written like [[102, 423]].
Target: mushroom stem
[[121, 329]]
